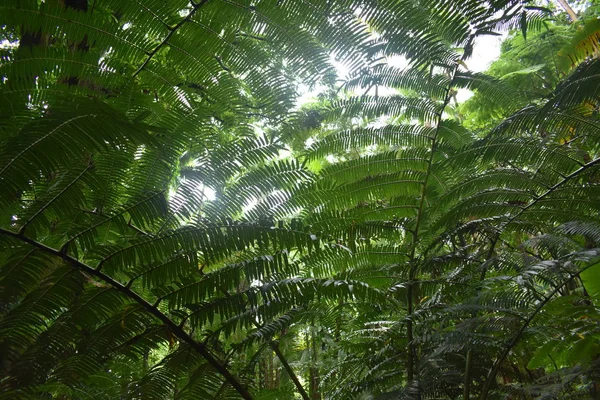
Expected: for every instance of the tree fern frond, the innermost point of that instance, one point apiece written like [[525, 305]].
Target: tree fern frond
[[175, 223], [25, 322], [579, 87], [394, 136], [410, 79], [488, 87], [582, 46], [215, 242], [369, 106]]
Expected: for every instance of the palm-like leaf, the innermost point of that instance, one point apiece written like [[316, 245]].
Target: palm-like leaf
[[397, 241]]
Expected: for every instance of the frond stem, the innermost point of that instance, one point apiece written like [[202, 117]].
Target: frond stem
[[177, 232], [146, 271], [175, 329], [552, 189], [275, 346], [151, 12], [53, 199], [172, 30], [44, 137], [411, 356], [109, 219]]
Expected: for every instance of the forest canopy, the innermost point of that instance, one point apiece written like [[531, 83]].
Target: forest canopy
[[175, 223]]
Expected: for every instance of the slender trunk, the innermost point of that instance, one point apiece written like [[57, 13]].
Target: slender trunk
[[569, 10], [262, 373], [410, 368], [469, 362], [413, 276], [275, 347], [468, 370], [314, 370], [145, 361], [289, 370], [270, 371]]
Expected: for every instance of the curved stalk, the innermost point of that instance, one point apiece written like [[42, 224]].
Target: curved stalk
[[108, 219], [568, 10], [275, 347], [289, 370], [550, 190], [496, 367], [412, 275], [172, 30], [53, 199], [177, 330], [468, 373]]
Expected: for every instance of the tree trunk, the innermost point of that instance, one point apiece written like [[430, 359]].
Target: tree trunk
[[569, 10], [468, 369], [313, 370]]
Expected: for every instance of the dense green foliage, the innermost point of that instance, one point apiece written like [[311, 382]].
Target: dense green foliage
[[173, 226]]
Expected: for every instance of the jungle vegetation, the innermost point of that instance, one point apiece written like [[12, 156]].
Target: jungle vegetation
[[175, 225]]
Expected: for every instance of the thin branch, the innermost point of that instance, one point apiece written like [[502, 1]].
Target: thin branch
[[546, 193], [222, 64], [551, 189], [44, 137], [153, 13], [247, 35], [569, 10], [17, 264], [172, 31], [174, 328], [194, 229], [53, 199], [64, 247], [275, 346], [107, 219], [147, 271]]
